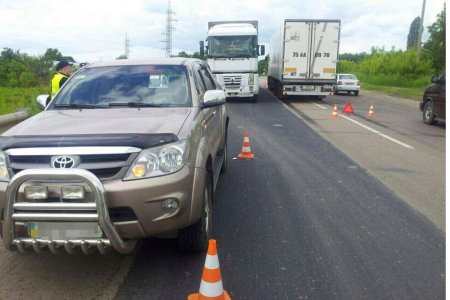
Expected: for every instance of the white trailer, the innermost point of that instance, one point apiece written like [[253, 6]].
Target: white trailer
[[303, 57], [232, 54]]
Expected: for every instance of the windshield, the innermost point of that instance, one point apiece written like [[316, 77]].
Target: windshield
[[232, 46], [144, 85], [347, 76]]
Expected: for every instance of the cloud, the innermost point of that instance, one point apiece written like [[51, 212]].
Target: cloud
[[88, 30]]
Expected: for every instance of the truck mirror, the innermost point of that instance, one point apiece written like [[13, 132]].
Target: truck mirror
[[263, 50], [202, 48]]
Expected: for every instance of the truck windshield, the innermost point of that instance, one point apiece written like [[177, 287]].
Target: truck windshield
[[232, 46], [132, 86]]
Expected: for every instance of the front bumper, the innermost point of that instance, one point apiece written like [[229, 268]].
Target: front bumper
[[143, 197], [347, 88]]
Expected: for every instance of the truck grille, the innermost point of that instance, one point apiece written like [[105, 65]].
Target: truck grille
[[104, 166], [231, 82]]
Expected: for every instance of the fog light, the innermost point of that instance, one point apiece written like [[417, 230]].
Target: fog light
[[36, 192], [169, 205], [73, 192]]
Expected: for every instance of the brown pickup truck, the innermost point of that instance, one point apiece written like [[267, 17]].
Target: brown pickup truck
[[126, 150]]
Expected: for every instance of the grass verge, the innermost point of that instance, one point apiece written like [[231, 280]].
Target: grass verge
[[404, 92], [12, 99]]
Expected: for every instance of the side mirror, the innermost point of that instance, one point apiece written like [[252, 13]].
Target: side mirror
[[214, 98], [42, 101], [263, 50], [434, 79]]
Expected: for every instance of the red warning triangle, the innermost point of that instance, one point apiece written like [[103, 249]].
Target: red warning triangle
[[348, 109]]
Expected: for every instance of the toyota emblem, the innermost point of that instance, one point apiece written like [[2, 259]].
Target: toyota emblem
[[64, 162]]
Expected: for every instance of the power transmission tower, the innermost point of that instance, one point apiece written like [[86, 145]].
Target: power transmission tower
[[169, 29], [127, 45]]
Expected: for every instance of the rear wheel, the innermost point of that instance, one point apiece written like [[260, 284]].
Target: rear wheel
[[195, 237], [428, 113]]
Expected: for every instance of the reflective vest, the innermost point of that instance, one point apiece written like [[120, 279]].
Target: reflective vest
[[56, 82]]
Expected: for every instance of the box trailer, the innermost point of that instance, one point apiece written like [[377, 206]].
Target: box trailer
[[303, 57]]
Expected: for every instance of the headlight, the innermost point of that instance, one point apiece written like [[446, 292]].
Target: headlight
[[251, 79], [159, 161], [4, 176]]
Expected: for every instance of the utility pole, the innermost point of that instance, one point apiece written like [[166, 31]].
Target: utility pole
[[169, 30], [419, 39], [127, 46]]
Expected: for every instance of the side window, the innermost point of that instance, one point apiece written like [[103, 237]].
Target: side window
[[209, 82], [199, 84]]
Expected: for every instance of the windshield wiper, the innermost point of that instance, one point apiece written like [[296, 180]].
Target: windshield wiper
[[78, 105], [134, 104]]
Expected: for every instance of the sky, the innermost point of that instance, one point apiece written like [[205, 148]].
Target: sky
[[95, 30]]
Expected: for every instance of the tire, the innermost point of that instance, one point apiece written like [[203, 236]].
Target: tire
[[279, 91], [356, 93], [428, 113], [195, 237], [335, 92], [224, 167], [270, 83], [348, 93], [254, 98]]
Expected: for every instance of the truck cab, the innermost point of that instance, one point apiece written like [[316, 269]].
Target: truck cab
[[232, 54]]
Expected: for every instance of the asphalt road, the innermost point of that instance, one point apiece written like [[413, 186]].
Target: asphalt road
[[300, 221]]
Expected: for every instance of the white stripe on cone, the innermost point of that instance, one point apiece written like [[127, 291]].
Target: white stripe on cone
[[208, 289], [211, 262], [246, 149], [246, 139]]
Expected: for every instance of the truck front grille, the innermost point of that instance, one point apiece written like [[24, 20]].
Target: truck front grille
[[231, 82]]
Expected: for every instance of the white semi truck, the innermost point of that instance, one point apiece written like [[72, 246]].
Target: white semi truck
[[302, 58], [232, 53]]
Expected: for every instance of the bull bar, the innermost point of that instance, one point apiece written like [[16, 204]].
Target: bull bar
[[97, 212]]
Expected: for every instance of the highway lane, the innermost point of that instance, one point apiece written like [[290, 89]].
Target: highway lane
[[301, 221], [395, 146]]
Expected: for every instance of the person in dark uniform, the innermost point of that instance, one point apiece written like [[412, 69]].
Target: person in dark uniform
[[64, 69]]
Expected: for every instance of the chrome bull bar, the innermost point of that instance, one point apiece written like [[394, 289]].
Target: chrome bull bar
[[101, 216]]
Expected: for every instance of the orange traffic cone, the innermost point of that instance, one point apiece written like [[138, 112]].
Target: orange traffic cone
[[371, 113], [246, 151], [335, 114], [211, 287]]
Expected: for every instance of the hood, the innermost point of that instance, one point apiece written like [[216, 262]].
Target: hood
[[244, 65], [103, 122]]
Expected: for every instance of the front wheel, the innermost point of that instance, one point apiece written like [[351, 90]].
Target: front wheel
[[195, 237], [428, 113], [356, 93]]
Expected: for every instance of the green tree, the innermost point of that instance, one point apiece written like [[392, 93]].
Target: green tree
[[122, 56], [183, 54], [435, 45], [263, 65], [413, 34]]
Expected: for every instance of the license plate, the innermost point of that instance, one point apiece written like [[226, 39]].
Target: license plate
[[308, 87], [349, 83], [63, 230]]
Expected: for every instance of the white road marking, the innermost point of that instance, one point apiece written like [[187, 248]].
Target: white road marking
[[351, 120]]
